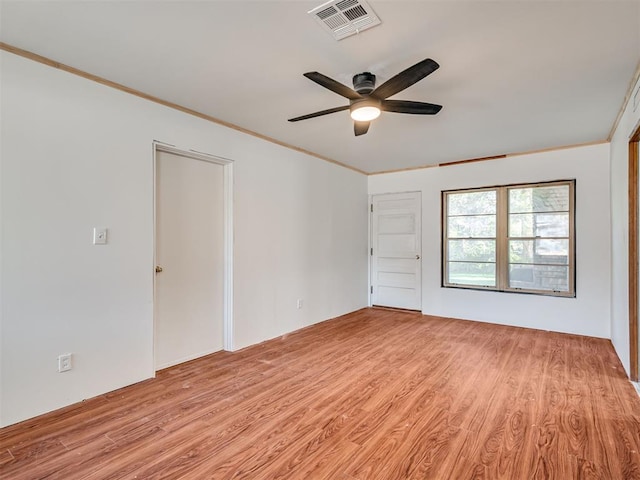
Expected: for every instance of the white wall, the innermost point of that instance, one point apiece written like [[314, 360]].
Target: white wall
[[76, 154], [588, 313], [620, 230]]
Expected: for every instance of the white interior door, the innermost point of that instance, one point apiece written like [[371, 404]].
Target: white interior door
[[396, 270], [189, 291]]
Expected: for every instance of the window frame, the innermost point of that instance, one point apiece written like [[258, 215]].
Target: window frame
[[502, 240]]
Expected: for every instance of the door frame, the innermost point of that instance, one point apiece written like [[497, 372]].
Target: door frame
[[634, 157], [370, 245], [369, 251], [227, 233]]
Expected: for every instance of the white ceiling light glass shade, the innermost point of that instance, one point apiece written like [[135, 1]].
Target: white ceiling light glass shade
[[365, 110], [365, 114]]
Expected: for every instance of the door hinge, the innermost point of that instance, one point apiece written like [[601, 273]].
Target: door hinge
[[371, 251], [372, 207], [371, 288]]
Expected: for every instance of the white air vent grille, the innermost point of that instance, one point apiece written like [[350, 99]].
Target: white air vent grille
[[343, 18], [327, 12], [344, 4]]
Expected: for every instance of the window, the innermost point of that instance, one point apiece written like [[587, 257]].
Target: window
[[515, 238]]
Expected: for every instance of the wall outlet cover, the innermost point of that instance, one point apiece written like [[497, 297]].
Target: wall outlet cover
[[64, 362]]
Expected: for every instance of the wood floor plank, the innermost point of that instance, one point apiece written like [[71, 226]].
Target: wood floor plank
[[376, 394]]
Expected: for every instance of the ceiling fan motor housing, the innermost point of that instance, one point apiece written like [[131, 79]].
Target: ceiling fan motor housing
[[364, 83]]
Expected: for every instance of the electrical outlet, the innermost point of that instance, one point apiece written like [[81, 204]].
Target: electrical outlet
[[64, 362], [299, 304]]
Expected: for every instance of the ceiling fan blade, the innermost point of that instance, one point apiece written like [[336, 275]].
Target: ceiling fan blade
[[360, 128], [332, 85], [407, 106], [319, 114], [405, 79]]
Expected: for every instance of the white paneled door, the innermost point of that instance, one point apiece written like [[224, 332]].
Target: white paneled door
[[189, 296], [396, 249]]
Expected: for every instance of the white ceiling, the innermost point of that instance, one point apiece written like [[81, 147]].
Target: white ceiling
[[514, 76]]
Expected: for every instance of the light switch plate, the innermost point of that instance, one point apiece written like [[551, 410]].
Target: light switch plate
[[99, 235]]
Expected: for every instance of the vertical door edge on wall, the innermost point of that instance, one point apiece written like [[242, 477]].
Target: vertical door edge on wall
[[228, 235], [634, 341], [228, 256], [373, 247], [370, 249]]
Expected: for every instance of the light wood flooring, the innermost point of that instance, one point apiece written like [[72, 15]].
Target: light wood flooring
[[371, 395]]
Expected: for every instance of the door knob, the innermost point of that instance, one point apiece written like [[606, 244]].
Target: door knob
[[158, 269], [417, 258]]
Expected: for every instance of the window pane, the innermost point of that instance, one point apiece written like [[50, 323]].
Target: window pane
[[539, 277], [472, 250], [472, 203], [540, 251], [539, 199], [478, 274], [539, 225], [473, 226]]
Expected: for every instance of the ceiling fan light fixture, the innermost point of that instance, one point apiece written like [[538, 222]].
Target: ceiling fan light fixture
[[365, 111], [365, 114]]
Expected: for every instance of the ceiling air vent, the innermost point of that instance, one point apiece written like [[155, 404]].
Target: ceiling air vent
[[343, 18]]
